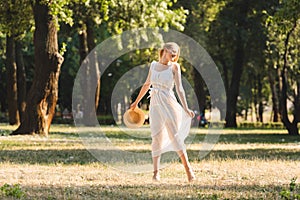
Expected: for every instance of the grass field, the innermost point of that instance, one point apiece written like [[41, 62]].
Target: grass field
[[244, 164]]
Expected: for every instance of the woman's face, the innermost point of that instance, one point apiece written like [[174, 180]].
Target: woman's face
[[168, 55]]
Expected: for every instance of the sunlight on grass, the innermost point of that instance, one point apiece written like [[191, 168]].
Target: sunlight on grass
[[247, 164]]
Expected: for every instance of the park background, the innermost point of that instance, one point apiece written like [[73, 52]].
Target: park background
[[255, 45]]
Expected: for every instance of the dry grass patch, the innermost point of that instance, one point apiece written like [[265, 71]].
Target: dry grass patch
[[244, 164], [230, 179]]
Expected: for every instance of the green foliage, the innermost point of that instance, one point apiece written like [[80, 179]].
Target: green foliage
[[287, 14], [113, 17], [95, 10], [59, 8], [269, 125], [215, 24], [293, 192], [279, 24], [125, 15], [12, 191], [208, 12], [68, 39], [63, 48], [235, 38], [15, 17], [283, 47]]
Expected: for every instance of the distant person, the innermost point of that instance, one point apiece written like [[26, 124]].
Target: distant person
[[78, 114], [66, 114], [202, 120], [169, 121]]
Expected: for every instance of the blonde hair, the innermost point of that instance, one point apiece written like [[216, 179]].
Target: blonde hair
[[173, 48]]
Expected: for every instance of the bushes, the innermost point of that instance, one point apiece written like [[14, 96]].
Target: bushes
[[251, 125], [60, 120], [14, 191], [106, 120], [268, 125], [293, 192]]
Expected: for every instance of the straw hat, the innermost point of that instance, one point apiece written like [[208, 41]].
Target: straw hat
[[134, 118]]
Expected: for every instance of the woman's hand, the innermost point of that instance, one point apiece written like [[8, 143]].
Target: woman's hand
[[133, 105], [190, 113]]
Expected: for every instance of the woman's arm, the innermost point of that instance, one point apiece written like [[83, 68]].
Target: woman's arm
[[179, 89], [143, 91]]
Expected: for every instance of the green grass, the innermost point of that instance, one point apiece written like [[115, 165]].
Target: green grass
[[244, 164]]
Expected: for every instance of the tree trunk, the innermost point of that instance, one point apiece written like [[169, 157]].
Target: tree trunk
[[200, 92], [238, 64], [95, 69], [246, 111], [226, 84], [233, 90], [225, 74], [43, 94], [290, 126], [21, 76], [274, 92], [297, 105], [83, 46], [255, 98], [85, 81], [92, 73], [3, 103], [260, 99], [12, 93]]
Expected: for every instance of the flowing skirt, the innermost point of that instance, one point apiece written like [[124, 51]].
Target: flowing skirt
[[169, 123]]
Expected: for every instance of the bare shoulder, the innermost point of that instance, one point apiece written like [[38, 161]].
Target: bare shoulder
[[175, 67], [152, 64]]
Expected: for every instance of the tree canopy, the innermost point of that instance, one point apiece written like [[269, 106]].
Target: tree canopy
[[255, 45]]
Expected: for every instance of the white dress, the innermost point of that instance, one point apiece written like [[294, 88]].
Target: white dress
[[169, 123]]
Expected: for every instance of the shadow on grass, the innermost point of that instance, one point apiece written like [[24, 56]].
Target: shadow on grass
[[225, 138], [250, 154], [82, 156], [259, 138], [154, 191], [111, 135]]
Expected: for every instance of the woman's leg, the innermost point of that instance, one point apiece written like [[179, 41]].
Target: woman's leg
[[187, 166], [156, 162], [170, 125], [156, 149]]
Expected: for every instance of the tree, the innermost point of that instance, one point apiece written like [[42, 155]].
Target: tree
[[285, 24], [193, 29], [3, 104], [21, 80], [86, 15], [232, 22], [201, 15], [235, 39], [12, 81], [14, 20], [116, 16], [43, 94]]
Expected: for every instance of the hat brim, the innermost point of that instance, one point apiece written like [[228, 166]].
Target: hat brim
[[134, 124]]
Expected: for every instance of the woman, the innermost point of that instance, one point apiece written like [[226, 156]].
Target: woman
[[169, 121]]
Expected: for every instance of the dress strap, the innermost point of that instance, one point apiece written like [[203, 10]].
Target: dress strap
[[152, 65]]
